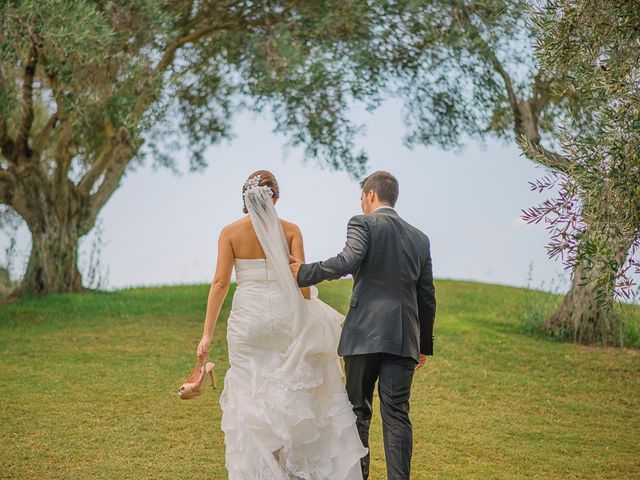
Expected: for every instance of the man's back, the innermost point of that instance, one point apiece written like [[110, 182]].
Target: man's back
[[392, 306], [384, 314]]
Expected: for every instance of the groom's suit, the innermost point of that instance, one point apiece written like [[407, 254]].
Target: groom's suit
[[389, 323]]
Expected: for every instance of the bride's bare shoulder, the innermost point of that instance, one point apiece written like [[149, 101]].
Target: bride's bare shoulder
[[240, 224], [243, 224], [290, 228]]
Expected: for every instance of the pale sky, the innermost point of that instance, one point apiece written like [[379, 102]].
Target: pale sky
[[162, 229]]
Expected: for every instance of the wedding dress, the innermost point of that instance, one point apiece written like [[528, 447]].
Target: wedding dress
[[285, 411]]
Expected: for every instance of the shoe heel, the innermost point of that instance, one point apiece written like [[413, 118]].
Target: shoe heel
[[193, 389], [212, 377]]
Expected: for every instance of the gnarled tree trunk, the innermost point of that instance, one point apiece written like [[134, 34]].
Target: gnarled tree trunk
[[58, 212], [50, 206], [580, 316], [53, 261], [585, 313]]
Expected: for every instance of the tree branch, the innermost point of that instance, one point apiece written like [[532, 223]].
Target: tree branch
[[101, 161], [22, 138], [18, 188], [117, 163], [541, 93], [167, 58], [488, 52], [12, 194], [3, 123], [525, 112], [65, 147], [171, 50], [6, 143], [7, 187], [187, 11], [43, 137], [538, 153]]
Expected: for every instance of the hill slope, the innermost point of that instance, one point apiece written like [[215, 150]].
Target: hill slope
[[89, 388]]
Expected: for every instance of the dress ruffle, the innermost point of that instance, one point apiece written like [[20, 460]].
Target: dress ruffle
[[295, 422]]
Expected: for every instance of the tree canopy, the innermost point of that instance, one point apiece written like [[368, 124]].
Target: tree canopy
[[87, 87]]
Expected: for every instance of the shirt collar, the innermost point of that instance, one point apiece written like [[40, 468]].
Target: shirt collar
[[384, 206]]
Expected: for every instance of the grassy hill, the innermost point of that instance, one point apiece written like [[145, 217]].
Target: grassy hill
[[89, 382]]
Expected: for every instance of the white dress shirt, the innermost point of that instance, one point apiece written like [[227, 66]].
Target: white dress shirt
[[384, 206]]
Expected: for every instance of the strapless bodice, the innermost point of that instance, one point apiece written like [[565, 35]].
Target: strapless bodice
[[259, 311], [253, 269]]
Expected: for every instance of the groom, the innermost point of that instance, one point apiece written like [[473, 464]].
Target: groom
[[388, 331]]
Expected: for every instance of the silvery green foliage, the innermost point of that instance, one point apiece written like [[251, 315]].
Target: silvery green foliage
[[295, 60], [172, 73], [596, 45], [90, 60], [466, 69]]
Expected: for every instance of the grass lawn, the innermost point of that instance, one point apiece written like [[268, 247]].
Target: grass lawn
[[88, 391]]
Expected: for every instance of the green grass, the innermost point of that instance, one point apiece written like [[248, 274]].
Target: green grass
[[89, 388]]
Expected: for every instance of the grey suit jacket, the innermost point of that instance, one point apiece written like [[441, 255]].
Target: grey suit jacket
[[393, 303]]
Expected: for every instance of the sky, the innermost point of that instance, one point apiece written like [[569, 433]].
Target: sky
[[159, 228]]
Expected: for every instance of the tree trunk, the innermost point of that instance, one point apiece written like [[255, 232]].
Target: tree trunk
[[585, 314], [51, 208], [580, 316], [53, 263]]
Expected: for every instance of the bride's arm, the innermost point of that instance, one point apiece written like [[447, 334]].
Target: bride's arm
[[218, 290], [297, 250]]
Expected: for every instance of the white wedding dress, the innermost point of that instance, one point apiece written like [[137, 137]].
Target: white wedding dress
[[285, 411]]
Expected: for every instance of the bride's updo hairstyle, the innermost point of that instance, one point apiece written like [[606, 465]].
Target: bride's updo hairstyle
[[266, 178]]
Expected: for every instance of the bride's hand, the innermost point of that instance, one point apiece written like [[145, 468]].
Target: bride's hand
[[203, 346]]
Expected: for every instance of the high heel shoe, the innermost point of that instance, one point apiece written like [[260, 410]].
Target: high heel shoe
[[194, 387]]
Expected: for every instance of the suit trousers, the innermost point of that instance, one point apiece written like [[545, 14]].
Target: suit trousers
[[395, 376]]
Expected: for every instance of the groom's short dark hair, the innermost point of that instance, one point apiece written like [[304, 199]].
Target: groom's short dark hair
[[384, 184]]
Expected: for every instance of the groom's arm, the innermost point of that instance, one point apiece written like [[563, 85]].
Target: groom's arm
[[347, 261], [426, 305]]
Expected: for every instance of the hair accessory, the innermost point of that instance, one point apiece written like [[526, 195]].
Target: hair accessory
[[254, 183]]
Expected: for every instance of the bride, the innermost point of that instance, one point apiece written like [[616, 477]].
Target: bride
[[285, 411]]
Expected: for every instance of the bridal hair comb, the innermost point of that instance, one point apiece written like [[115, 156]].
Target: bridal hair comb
[[260, 186], [254, 182]]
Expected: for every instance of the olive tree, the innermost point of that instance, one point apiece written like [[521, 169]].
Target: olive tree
[[562, 85], [88, 87], [595, 218]]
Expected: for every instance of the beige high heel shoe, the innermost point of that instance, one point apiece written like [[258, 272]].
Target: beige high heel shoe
[[194, 386]]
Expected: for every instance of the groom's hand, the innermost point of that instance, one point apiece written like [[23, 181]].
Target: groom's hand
[[294, 265], [423, 359]]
